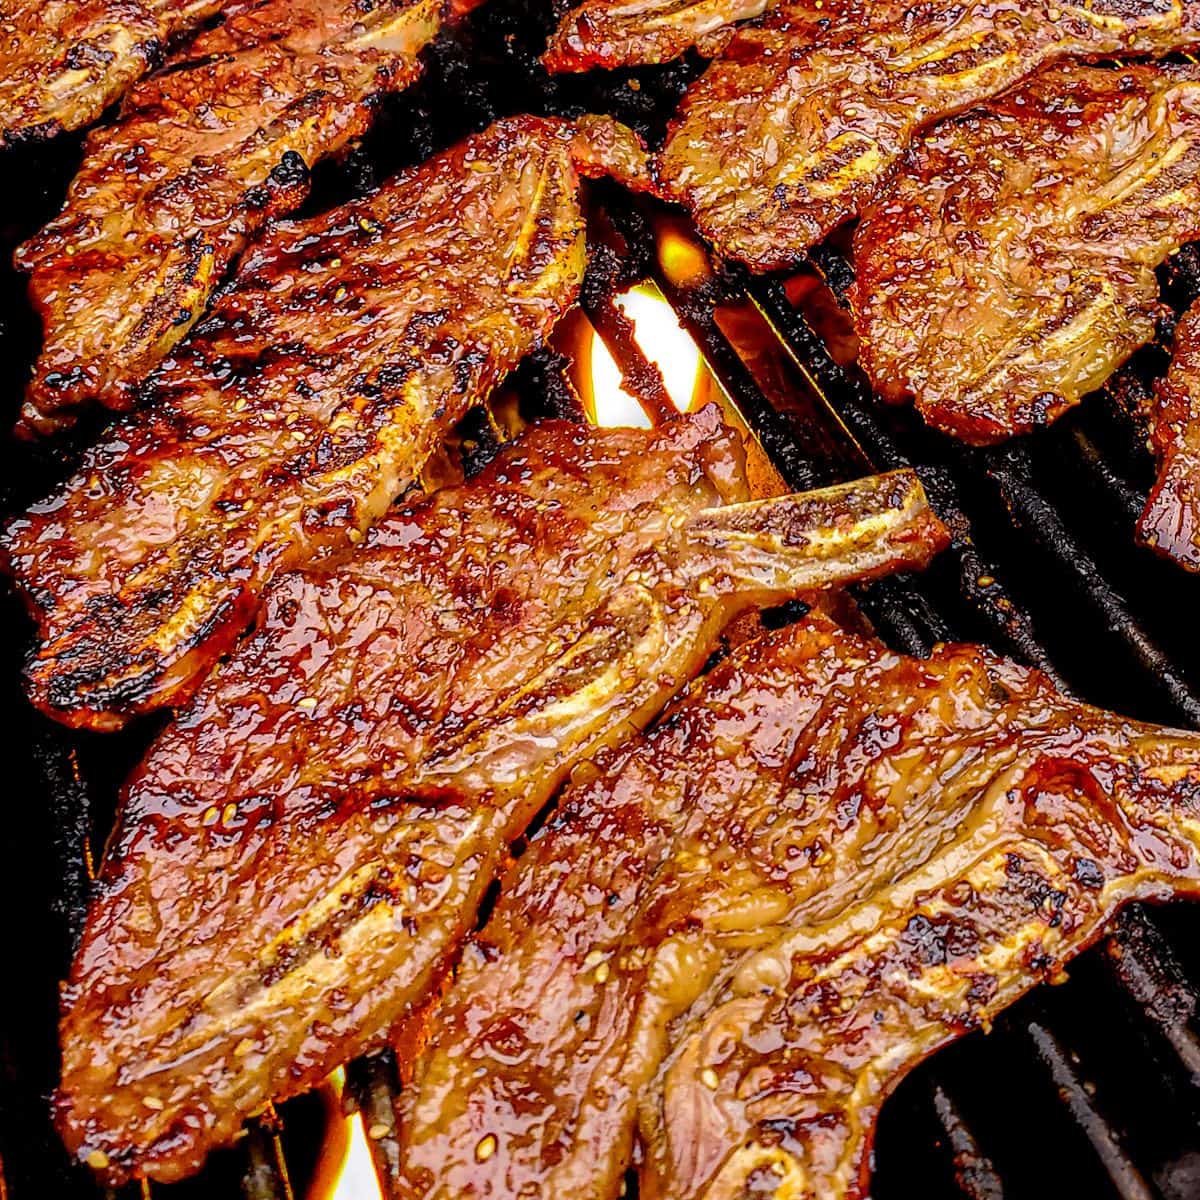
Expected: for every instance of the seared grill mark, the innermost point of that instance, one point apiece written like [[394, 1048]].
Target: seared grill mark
[[200, 158], [794, 130]]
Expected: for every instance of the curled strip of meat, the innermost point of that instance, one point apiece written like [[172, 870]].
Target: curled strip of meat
[[1171, 521], [344, 350], [634, 33], [1009, 270], [63, 62]]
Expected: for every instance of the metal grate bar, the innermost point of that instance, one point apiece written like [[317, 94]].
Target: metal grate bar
[[974, 1172], [1010, 469], [1145, 966], [1075, 1094], [979, 578], [1117, 490]]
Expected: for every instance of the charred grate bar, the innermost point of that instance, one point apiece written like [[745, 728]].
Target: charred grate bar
[[1092, 1088]]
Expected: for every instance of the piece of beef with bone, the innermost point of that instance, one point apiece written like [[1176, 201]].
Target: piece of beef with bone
[[820, 866], [303, 851]]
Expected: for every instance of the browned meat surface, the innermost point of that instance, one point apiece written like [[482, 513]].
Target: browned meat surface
[[780, 140], [202, 155], [1171, 521], [824, 864], [62, 62], [1009, 269], [299, 409], [632, 33], [302, 850]]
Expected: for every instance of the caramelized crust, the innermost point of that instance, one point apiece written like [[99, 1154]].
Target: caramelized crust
[[825, 863], [604, 33], [202, 155], [62, 62], [1171, 521], [634, 33], [302, 850], [1010, 268], [780, 141], [299, 409]]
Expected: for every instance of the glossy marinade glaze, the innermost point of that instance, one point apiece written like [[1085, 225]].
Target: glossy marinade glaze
[[63, 62], [345, 349], [634, 33], [302, 851], [1171, 520], [791, 132], [617, 33], [1009, 269], [826, 861], [201, 156]]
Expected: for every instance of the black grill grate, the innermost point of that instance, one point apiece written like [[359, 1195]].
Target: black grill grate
[[1091, 1088]]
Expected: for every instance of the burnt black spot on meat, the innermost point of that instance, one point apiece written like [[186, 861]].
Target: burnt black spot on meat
[[290, 172]]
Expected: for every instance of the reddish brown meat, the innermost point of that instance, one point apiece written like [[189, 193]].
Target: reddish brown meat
[[825, 863], [62, 62], [631, 33], [1009, 270], [202, 155], [780, 140], [308, 400], [1171, 521], [302, 850]]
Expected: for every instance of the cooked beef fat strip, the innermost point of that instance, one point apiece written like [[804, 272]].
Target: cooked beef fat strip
[[63, 62], [202, 155], [1171, 522], [303, 849], [826, 862], [1009, 269], [780, 141], [299, 409]]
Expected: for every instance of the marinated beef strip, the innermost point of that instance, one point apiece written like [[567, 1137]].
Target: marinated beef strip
[[305, 847], [1171, 520], [634, 33], [62, 62], [299, 409], [201, 157], [780, 141], [824, 863], [1009, 269]]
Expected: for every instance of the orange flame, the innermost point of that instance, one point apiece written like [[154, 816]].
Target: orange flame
[[346, 1170]]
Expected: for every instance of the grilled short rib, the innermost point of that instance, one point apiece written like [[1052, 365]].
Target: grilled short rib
[[782, 140], [65, 61], [1009, 268], [616, 33], [203, 154], [826, 862], [634, 33], [346, 347], [302, 850], [1171, 520]]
